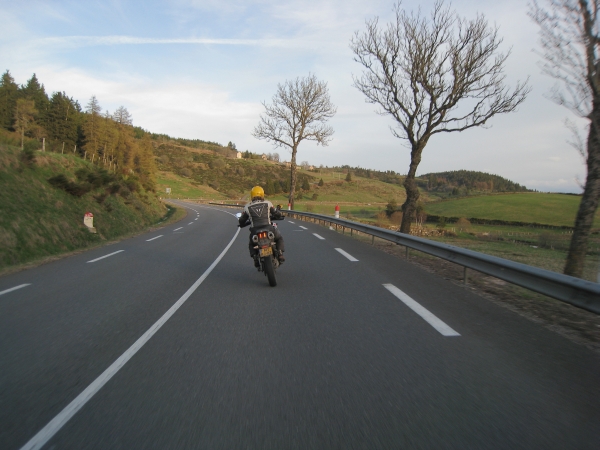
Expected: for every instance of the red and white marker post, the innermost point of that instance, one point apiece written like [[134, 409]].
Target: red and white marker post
[[337, 211]]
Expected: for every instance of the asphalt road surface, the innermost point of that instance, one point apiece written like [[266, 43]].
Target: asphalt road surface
[[173, 340]]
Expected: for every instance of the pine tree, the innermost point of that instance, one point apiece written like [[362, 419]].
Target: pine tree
[[349, 177], [35, 91], [122, 116], [62, 120], [305, 185], [91, 126], [25, 113], [9, 92], [321, 182]]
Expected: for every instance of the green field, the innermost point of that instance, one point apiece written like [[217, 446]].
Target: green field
[[184, 188], [549, 209]]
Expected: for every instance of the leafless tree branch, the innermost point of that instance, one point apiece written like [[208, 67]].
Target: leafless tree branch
[[435, 74]]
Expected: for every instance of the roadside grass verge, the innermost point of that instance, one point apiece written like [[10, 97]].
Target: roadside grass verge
[[39, 220]]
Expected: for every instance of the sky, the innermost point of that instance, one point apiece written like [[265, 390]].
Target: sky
[[200, 69]]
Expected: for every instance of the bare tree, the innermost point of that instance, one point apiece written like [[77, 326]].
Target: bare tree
[[122, 116], [299, 111], [434, 74], [570, 41]]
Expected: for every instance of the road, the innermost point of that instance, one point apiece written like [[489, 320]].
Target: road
[[156, 343]]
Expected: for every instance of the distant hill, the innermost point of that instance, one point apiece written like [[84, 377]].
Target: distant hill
[[461, 183], [222, 171]]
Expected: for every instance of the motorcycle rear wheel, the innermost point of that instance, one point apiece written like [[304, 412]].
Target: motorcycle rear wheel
[[270, 270]]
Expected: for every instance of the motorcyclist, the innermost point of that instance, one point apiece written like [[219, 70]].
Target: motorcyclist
[[258, 212]]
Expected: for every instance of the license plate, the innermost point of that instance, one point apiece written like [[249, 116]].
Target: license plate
[[266, 251]]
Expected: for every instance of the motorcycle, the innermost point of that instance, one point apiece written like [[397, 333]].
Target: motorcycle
[[267, 250]]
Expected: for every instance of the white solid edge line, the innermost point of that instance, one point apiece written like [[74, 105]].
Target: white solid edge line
[[320, 237], [430, 318], [46, 433], [304, 228], [347, 255], [177, 228], [155, 237], [106, 256], [14, 288]]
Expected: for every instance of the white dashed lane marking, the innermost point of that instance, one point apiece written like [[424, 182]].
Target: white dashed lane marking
[[6, 291], [106, 256], [177, 228], [320, 237], [190, 223], [156, 237], [304, 228], [347, 255], [431, 319]]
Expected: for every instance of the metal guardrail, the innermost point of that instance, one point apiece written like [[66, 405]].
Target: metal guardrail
[[581, 293]]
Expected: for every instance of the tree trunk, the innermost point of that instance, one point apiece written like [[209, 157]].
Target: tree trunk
[[293, 177], [412, 190], [589, 201]]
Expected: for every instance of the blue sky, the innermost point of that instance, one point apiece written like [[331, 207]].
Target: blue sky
[[200, 69]]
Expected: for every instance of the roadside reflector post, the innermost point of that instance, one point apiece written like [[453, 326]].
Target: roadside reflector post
[[337, 211]]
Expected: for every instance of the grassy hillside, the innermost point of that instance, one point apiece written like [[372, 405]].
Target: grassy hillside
[[39, 219], [550, 209]]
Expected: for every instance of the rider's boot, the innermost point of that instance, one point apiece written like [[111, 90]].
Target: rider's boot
[[281, 258], [256, 261]]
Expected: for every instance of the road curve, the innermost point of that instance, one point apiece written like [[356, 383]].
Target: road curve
[[353, 349]]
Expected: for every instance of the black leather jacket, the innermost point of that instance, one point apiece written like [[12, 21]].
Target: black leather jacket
[[258, 213]]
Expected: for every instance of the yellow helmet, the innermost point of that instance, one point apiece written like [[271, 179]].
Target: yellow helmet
[[257, 191]]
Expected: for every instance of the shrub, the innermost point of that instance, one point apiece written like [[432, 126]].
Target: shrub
[[76, 189], [27, 157], [186, 172], [396, 217], [441, 223], [382, 219], [349, 177], [463, 223], [310, 207], [321, 182], [315, 196], [391, 207], [299, 195]]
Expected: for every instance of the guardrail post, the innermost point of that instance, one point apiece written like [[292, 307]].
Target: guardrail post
[[465, 275], [372, 240], [351, 230], [406, 252]]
